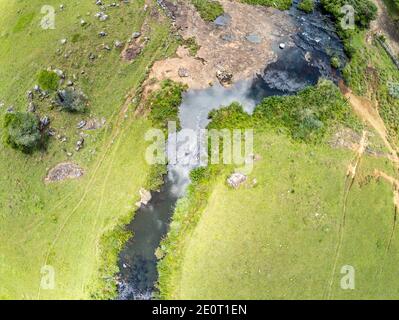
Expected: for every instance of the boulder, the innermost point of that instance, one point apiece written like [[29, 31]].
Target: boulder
[[236, 179], [136, 35], [253, 38], [145, 197], [183, 73], [31, 107], [224, 77]]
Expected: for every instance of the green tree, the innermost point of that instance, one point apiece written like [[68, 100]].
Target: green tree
[[21, 131]]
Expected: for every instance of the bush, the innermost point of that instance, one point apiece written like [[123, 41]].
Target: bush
[[335, 62], [393, 90], [279, 4], [71, 100], [48, 80], [209, 10], [164, 103], [365, 10], [307, 5], [191, 45], [21, 131], [308, 115]]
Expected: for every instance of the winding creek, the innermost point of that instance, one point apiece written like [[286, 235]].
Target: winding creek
[[295, 68]]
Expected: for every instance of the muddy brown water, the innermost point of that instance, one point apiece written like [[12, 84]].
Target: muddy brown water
[[295, 68]]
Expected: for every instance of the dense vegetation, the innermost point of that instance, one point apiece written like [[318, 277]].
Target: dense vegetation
[[48, 80], [279, 4], [306, 117], [307, 5], [71, 100], [164, 103], [209, 10], [21, 131], [365, 11]]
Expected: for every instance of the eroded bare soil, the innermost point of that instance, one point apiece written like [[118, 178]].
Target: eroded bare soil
[[242, 47]]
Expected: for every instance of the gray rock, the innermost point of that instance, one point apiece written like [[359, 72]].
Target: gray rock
[[44, 122], [145, 197], [81, 124], [31, 107], [29, 95], [80, 144], [223, 20], [136, 35], [236, 179], [253, 38], [227, 37], [118, 44], [183, 73], [224, 77]]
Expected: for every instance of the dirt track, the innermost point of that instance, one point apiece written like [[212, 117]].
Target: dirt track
[[385, 25]]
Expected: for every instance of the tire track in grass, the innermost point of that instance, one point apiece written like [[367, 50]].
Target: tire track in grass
[[110, 143], [395, 184], [115, 133], [349, 181]]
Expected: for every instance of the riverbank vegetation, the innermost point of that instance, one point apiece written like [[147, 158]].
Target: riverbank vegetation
[[364, 12], [164, 103], [277, 233], [307, 5]]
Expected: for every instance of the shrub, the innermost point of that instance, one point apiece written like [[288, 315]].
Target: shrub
[[71, 100], [365, 10], [21, 131], [164, 103], [335, 62], [306, 5], [279, 4], [393, 90], [191, 45], [308, 115], [209, 10], [48, 80]]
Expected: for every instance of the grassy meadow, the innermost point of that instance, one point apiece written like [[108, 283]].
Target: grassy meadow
[[287, 232], [73, 226], [278, 239]]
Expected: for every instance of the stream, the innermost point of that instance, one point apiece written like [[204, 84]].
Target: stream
[[295, 68]]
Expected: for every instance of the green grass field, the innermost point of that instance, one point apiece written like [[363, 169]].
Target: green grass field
[[288, 231], [278, 240], [63, 224]]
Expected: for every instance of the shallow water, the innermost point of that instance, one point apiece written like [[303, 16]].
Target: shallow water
[[295, 68]]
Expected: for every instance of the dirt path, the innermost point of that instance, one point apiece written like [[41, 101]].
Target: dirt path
[[349, 180], [365, 109], [385, 25]]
